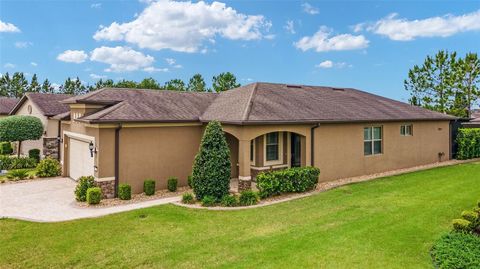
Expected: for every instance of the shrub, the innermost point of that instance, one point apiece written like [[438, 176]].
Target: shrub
[[470, 216], [149, 187], [229, 201], [48, 168], [248, 198], [190, 181], [20, 128], [187, 198], [299, 179], [6, 148], [457, 250], [468, 141], [172, 184], [461, 225], [124, 192], [18, 174], [94, 195], [208, 200], [83, 184], [34, 154], [9, 163], [211, 168]]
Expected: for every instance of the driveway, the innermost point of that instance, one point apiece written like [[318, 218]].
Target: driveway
[[52, 200]]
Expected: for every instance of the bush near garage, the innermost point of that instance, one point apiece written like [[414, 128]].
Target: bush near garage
[[49, 167], [149, 187], [94, 195], [124, 192], [34, 154], [83, 184], [298, 179], [468, 141], [172, 184]]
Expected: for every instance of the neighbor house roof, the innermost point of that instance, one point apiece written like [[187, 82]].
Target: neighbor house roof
[[48, 103], [257, 103], [134, 105], [7, 104]]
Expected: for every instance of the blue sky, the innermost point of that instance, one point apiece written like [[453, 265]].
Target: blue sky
[[363, 44]]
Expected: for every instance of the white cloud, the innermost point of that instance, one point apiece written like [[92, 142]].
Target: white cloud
[[324, 41], [95, 76], [401, 29], [8, 27], [185, 26], [309, 9], [121, 59], [330, 64], [152, 69], [290, 27], [72, 56], [172, 62], [9, 65], [96, 5], [33, 64], [23, 44]]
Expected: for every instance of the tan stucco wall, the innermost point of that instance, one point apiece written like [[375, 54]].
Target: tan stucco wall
[[339, 148]]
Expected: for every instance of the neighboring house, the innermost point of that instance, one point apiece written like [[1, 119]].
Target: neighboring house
[[6, 105], [45, 107], [127, 136]]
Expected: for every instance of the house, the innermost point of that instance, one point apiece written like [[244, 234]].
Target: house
[[6, 105], [127, 136], [45, 107]]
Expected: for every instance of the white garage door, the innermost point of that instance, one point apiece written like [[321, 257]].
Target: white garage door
[[80, 160]]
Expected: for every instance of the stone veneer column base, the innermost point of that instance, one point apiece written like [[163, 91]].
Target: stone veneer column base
[[50, 147], [107, 186], [244, 184]]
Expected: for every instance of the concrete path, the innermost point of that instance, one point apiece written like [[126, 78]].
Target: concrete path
[[52, 200]]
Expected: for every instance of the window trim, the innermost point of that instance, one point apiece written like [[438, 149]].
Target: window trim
[[252, 151], [404, 126], [280, 150], [373, 140]]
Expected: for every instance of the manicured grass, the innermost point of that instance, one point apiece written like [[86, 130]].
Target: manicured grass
[[386, 223]]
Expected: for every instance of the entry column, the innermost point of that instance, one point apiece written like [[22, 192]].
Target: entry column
[[244, 178]]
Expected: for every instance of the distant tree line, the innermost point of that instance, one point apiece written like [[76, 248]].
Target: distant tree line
[[446, 83], [17, 84]]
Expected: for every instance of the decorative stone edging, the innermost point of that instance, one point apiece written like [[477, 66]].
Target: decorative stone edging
[[324, 186]]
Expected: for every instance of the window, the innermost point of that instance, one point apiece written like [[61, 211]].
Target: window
[[372, 140], [406, 130], [272, 147]]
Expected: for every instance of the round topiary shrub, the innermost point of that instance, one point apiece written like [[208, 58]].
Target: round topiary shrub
[[34, 154], [20, 128], [248, 198], [172, 184], [187, 198], [49, 168], [149, 187], [124, 192], [94, 195], [83, 184], [211, 168]]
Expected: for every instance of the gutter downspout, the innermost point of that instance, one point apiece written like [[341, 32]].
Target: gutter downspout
[[312, 144], [59, 138], [117, 158]]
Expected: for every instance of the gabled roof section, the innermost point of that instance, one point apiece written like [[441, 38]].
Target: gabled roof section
[[135, 105], [49, 104], [7, 104], [280, 103]]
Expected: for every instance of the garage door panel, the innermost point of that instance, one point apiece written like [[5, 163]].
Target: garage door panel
[[80, 160]]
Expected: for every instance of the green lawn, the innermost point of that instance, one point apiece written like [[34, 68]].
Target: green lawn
[[386, 223]]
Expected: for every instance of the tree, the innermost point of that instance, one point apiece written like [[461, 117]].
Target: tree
[[211, 168], [19, 85], [74, 87], [175, 85], [46, 87], [5, 85], [19, 129], [224, 82], [34, 85], [126, 84], [197, 84], [149, 83], [467, 74]]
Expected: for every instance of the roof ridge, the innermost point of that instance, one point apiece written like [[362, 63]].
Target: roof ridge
[[106, 111], [246, 113]]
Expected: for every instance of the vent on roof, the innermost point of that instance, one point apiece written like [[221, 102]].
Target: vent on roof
[[294, 86]]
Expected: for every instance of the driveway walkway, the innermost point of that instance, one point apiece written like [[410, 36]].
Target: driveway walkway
[[53, 200]]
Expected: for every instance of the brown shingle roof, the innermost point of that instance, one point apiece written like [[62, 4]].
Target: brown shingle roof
[[280, 103], [133, 105], [7, 104], [49, 104]]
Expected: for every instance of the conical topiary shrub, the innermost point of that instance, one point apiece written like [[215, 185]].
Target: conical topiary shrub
[[211, 168]]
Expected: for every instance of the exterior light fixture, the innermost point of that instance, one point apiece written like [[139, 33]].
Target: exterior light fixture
[[91, 148]]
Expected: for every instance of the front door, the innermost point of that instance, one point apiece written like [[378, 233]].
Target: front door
[[296, 147]]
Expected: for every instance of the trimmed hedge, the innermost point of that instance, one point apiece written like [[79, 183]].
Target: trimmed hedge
[[94, 195], [49, 168], [457, 251], [149, 187], [298, 179], [10, 163], [83, 184], [124, 192], [34, 154], [6, 148], [172, 184], [468, 141]]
